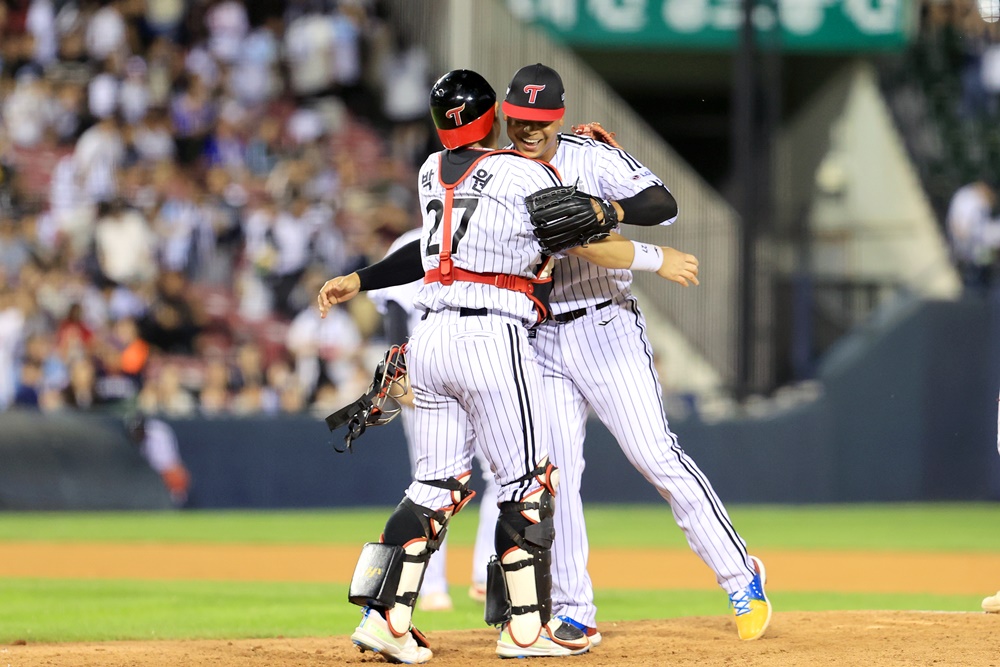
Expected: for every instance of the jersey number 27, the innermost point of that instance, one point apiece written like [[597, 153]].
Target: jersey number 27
[[436, 208]]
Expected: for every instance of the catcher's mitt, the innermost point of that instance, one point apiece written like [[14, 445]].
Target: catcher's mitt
[[597, 132], [565, 218]]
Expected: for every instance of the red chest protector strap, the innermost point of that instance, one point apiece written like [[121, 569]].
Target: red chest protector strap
[[446, 273]]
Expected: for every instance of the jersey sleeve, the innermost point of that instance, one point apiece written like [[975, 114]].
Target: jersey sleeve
[[622, 175]]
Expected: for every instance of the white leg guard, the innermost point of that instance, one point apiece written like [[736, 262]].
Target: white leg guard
[[519, 571], [419, 531], [414, 563]]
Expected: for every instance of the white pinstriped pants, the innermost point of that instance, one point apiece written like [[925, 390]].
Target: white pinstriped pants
[[475, 374], [604, 361]]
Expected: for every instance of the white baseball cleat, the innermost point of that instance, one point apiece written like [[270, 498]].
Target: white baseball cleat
[[374, 635], [992, 603], [563, 641]]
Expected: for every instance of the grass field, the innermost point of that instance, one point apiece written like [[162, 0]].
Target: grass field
[[49, 609]]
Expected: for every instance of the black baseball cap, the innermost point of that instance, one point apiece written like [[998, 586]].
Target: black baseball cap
[[535, 93]]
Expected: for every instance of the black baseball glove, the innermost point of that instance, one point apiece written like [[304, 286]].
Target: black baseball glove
[[565, 218]]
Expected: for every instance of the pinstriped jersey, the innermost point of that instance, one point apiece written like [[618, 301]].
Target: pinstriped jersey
[[490, 229], [609, 173]]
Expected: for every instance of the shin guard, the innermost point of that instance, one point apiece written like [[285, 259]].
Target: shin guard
[[419, 531], [524, 536]]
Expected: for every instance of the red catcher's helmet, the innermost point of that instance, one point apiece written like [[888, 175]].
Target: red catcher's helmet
[[463, 106]]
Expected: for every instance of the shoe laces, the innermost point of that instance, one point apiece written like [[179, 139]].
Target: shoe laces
[[741, 601]]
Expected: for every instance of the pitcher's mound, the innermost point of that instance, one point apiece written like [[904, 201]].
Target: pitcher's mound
[[796, 639]]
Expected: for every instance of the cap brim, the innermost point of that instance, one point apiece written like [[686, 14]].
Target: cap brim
[[532, 113]]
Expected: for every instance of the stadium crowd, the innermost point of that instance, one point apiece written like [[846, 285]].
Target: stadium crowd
[[177, 178]]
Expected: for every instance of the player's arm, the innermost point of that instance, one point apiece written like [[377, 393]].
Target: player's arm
[[397, 268], [651, 206], [648, 208], [618, 252]]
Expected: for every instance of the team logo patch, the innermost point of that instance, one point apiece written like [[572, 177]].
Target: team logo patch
[[532, 91], [455, 114]]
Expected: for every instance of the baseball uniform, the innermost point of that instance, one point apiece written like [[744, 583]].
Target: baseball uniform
[[594, 311]]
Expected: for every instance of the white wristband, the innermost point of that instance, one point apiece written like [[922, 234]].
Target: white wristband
[[647, 257]]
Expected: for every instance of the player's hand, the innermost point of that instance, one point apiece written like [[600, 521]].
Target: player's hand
[[679, 267], [337, 290]]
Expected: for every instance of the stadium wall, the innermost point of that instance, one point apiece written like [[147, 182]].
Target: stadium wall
[[907, 413]]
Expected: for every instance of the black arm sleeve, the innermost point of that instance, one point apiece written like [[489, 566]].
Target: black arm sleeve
[[650, 207], [396, 321], [398, 268]]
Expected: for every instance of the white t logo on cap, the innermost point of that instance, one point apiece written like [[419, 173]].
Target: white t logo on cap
[[532, 91]]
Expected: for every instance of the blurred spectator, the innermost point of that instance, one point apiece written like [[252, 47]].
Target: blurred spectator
[[99, 153], [40, 348], [192, 112], [73, 335], [134, 350], [406, 85], [309, 49], [157, 443], [152, 138], [179, 224], [249, 400], [163, 18], [106, 32], [255, 77], [40, 21], [974, 234], [249, 369], [327, 399], [228, 25], [29, 386], [14, 249], [292, 237], [125, 245], [25, 110], [133, 94], [213, 398], [80, 392], [323, 347], [165, 395], [174, 318]]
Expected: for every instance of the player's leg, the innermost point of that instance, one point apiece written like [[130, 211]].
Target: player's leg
[[484, 548], [389, 573], [511, 424], [619, 380], [572, 590], [434, 591]]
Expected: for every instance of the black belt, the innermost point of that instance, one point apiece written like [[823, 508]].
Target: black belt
[[579, 312], [464, 312]]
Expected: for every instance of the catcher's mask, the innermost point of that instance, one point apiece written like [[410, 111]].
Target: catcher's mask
[[377, 406]]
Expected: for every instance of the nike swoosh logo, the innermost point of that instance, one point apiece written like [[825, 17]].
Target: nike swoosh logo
[[605, 322]]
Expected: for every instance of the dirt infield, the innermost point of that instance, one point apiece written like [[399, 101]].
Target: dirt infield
[[845, 639], [796, 639]]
